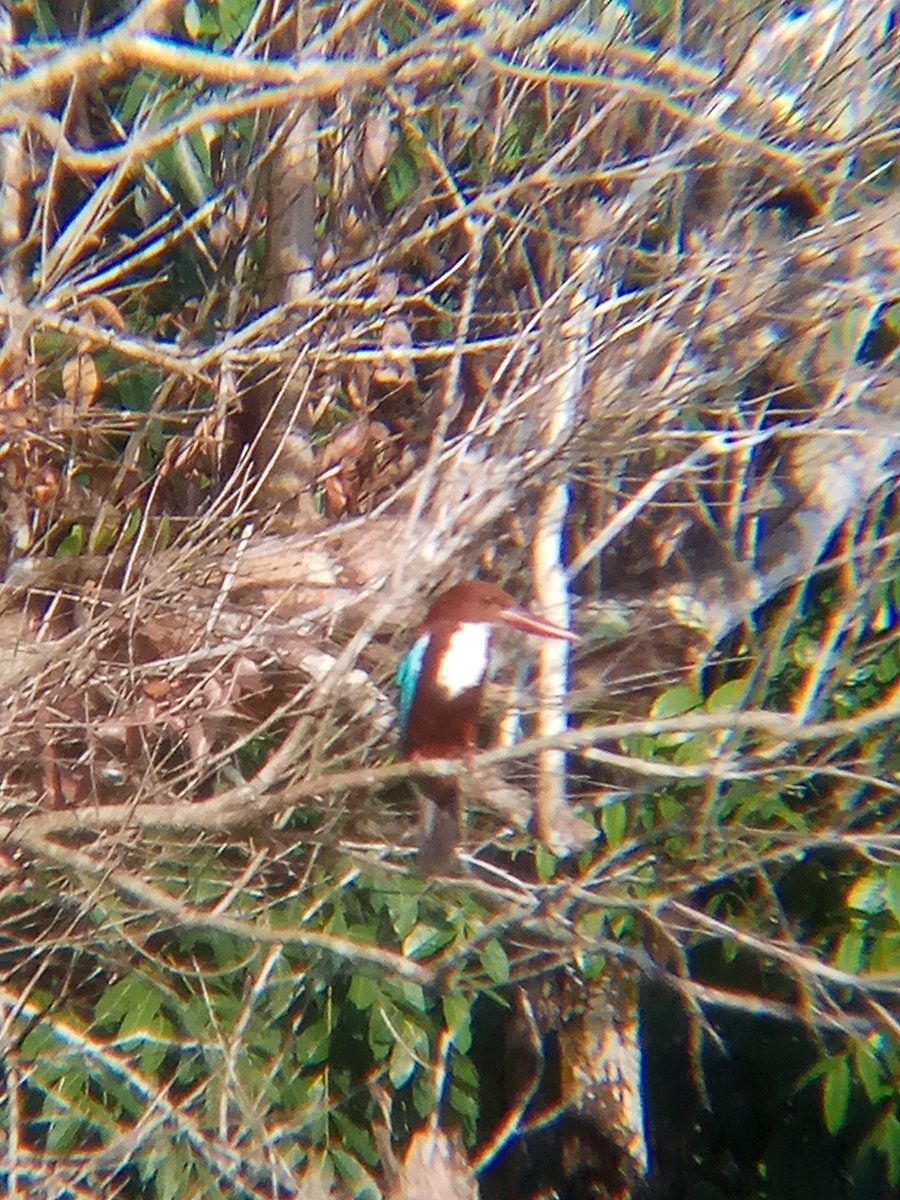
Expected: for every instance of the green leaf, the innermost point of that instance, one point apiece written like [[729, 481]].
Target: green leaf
[[887, 668], [153, 1053], [729, 695], [401, 1065], [352, 1173], [464, 1103], [173, 1176], [614, 822], [381, 1031], [234, 16], [404, 912], [132, 525], [190, 15], [868, 1072], [141, 1016], [462, 1039], [423, 1094], [124, 998], [363, 992], [891, 1147], [425, 940], [885, 953], [885, 1139], [457, 1008], [411, 994], [355, 1138], [892, 892], [399, 179], [136, 388], [72, 544], [671, 808], [495, 962], [545, 862], [836, 1093], [190, 1069], [62, 1134], [693, 749], [313, 1044], [592, 924], [675, 702], [849, 956], [867, 894], [39, 1043], [593, 967]]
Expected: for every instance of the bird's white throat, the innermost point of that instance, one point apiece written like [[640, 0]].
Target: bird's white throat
[[463, 664]]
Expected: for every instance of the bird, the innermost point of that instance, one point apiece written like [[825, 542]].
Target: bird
[[441, 680]]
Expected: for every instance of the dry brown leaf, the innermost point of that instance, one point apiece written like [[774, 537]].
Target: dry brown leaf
[[379, 144], [100, 310], [81, 384], [347, 463], [395, 366]]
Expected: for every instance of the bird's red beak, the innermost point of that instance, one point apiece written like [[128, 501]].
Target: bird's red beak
[[528, 622]]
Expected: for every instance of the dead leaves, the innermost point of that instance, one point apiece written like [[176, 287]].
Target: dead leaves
[[81, 387], [42, 434], [186, 707], [361, 465], [82, 755], [347, 464], [364, 460], [81, 379]]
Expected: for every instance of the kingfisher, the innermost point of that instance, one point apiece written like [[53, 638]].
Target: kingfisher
[[441, 679]]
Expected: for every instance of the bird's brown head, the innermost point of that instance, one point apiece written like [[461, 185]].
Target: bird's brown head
[[475, 601]]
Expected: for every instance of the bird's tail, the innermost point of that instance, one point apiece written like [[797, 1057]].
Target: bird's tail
[[440, 826]]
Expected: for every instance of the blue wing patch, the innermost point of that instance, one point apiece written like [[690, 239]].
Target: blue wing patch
[[408, 676]]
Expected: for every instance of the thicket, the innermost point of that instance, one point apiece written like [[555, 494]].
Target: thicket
[[308, 311]]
